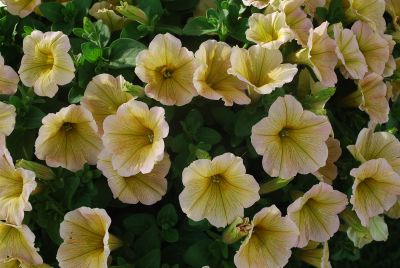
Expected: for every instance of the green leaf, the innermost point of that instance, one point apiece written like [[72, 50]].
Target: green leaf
[[34, 116], [75, 94], [167, 217], [208, 135], [148, 240], [91, 52], [245, 121], [151, 7], [170, 235], [316, 102], [138, 223], [70, 186], [198, 255], [52, 11], [151, 260], [199, 26], [336, 11], [123, 53]]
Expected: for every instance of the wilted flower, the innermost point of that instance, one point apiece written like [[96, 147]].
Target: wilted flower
[[21, 8], [374, 47], [269, 31], [269, 241], [168, 69], [217, 190], [329, 172], [18, 242], [135, 137], [87, 242], [103, 95], [375, 189], [290, 139], [8, 79], [211, 78], [260, 4], [144, 188], [351, 60], [315, 254], [104, 11], [7, 118], [46, 63], [316, 213], [68, 139], [261, 68], [369, 11]]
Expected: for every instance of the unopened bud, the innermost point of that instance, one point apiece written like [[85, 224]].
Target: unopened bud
[[132, 13], [134, 90], [42, 172], [238, 229]]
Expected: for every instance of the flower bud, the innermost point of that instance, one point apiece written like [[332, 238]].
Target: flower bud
[[133, 13], [238, 229], [42, 172]]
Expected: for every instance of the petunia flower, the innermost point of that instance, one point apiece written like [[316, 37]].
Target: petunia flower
[[374, 47], [7, 118], [261, 68], [15, 263], [368, 11], [18, 242], [8, 79], [390, 65], [217, 190], [168, 69], [375, 189], [104, 11], [260, 4], [310, 6], [315, 254], [269, 31], [351, 61], [68, 139], [46, 63], [135, 137], [290, 139], [211, 78], [394, 211], [21, 8], [144, 188], [370, 97], [269, 241], [329, 172], [316, 213], [103, 95], [87, 242], [320, 55], [393, 87], [393, 8], [16, 185], [370, 145]]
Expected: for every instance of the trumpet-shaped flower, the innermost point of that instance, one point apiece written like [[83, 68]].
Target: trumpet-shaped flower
[[68, 139], [168, 69], [8, 79], [329, 172], [310, 6], [351, 60], [370, 145], [375, 48], [46, 63], [269, 241], [135, 137], [290, 139], [211, 78], [103, 95], [260, 4], [144, 188], [369, 11], [21, 8], [375, 189], [217, 190], [18, 242], [316, 213], [7, 118], [390, 65], [87, 242], [269, 31], [261, 68], [104, 11], [315, 255]]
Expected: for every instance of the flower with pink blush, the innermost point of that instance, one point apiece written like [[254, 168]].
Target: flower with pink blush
[[368, 11], [21, 8], [8, 79]]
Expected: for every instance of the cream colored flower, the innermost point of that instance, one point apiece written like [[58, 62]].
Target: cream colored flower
[[393, 87], [68, 139], [135, 137], [351, 60], [269, 241], [310, 6], [8, 79], [18, 242], [103, 96], [315, 254], [21, 8], [46, 63], [290, 139], [374, 47], [104, 11], [316, 213], [261, 68], [7, 118], [168, 69], [370, 97], [329, 172], [260, 4], [269, 31], [87, 242], [390, 65], [369, 11], [370, 145], [211, 78], [15, 263], [217, 190], [144, 188], [394, 212], [375, 189]]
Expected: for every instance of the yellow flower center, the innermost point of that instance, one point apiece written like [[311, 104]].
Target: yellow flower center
[[150, 136], [46, 58], [68, 127], [166, 73], [216, 178], [284, 133]]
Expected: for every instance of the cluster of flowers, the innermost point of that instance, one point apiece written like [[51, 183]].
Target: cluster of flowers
[[125, 138]]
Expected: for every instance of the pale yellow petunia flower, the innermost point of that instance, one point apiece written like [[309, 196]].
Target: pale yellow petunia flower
[[144, 188], [8, 79], [7, 118], [68, 139], [217, 190], [211, 78], [315, 254], [168, 69], [46, 63], [87, 242], [135, 137], [269, 241], [290, 139], [369, 11], [15, 263], [329, 172], [260, 4], [21, 8]]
